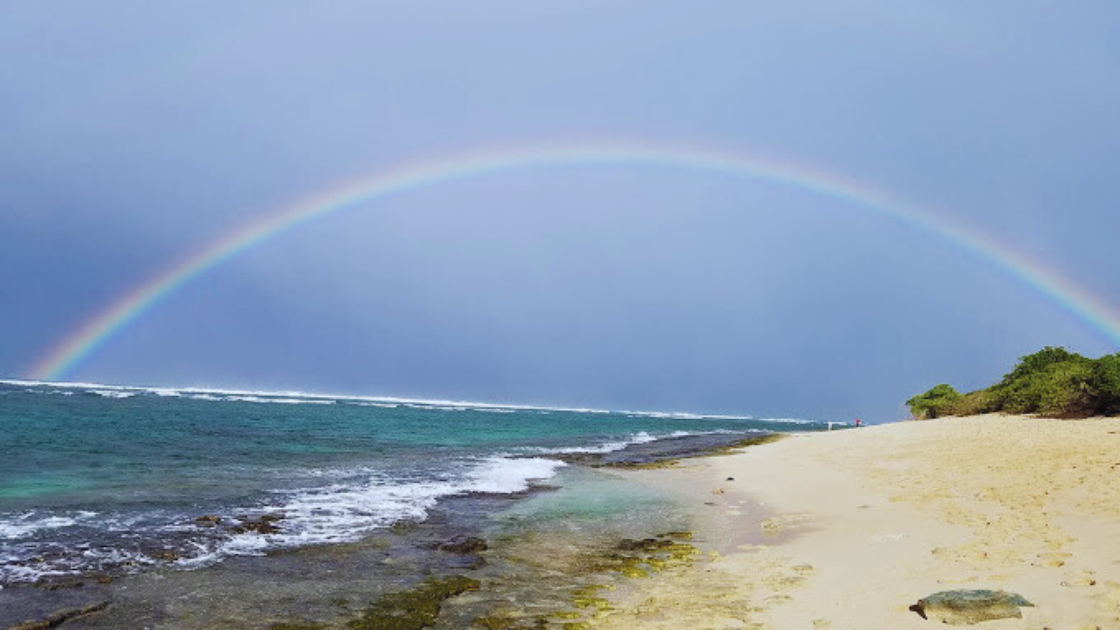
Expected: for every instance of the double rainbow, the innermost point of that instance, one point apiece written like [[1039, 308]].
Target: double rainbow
[[110, 321]]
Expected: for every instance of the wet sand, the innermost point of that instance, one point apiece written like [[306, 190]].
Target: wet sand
[[848, 529]]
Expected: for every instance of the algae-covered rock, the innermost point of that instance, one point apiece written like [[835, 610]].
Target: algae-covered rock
[[263, 524], [681, 535], [966, 607], [60, 618], [413, 609], [464, 545]]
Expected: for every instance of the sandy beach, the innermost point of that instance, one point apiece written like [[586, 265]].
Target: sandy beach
[[848, 529]]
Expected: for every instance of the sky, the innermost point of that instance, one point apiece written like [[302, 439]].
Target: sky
[[132, 135]]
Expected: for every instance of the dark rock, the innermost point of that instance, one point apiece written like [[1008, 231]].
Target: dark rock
[[463, 546], [413, 609], [402, 527], [263, 524], [207, 521], [731, 479], [55, 584], [260, 527], [60, 618], [966, 607], [647, 545], [165, 555]]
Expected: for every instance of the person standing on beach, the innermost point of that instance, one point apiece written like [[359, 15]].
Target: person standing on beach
[[859, 423]]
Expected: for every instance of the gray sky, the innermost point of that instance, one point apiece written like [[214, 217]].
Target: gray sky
[[133, 134]]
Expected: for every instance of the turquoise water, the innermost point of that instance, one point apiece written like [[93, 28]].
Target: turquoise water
[[98, 478]]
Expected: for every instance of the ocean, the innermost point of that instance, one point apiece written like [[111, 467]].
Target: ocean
[[116, 481]]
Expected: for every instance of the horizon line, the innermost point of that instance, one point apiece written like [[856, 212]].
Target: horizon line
[[435, 402]]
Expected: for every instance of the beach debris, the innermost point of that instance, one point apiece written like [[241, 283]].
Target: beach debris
[[731, 479], [718, 491], [966, 607], [60, 618]]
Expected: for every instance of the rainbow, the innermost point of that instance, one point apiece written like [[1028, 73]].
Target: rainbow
[[94, 333]]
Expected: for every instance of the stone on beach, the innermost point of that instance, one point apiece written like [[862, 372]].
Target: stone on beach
[[966, 607]]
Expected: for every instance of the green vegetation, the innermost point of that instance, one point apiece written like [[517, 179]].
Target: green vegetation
[[1051, 382], [413, 609], [938, 401]]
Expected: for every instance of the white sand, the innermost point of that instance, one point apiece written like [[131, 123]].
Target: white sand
[[857, 525]]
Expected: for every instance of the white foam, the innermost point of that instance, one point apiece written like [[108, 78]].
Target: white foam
[[346, 512], [605, 447], [791, 421], [278, 401], [23, 525], [638, 438], [112, 393]]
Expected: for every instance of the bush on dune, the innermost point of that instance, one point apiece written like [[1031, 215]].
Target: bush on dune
[[975, 403], [1052, 381], [1056, 388], [936, 402]]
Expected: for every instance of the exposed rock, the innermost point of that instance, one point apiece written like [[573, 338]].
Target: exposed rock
[[464, 545], [413, 609], [263, 524], [60, 618], [207, 521], [165, 555], [403, 527], [55, 584], [966, 607]]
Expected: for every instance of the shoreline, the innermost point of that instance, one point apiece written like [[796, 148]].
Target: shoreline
[[841, 529], [854, 527]]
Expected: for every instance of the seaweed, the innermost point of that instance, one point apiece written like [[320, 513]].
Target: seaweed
[[413, 609]]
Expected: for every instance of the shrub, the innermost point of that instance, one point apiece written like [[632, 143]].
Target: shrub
[[1052, 381], [975, 403], [1038, 362], [1106, 382], [936, 402]]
